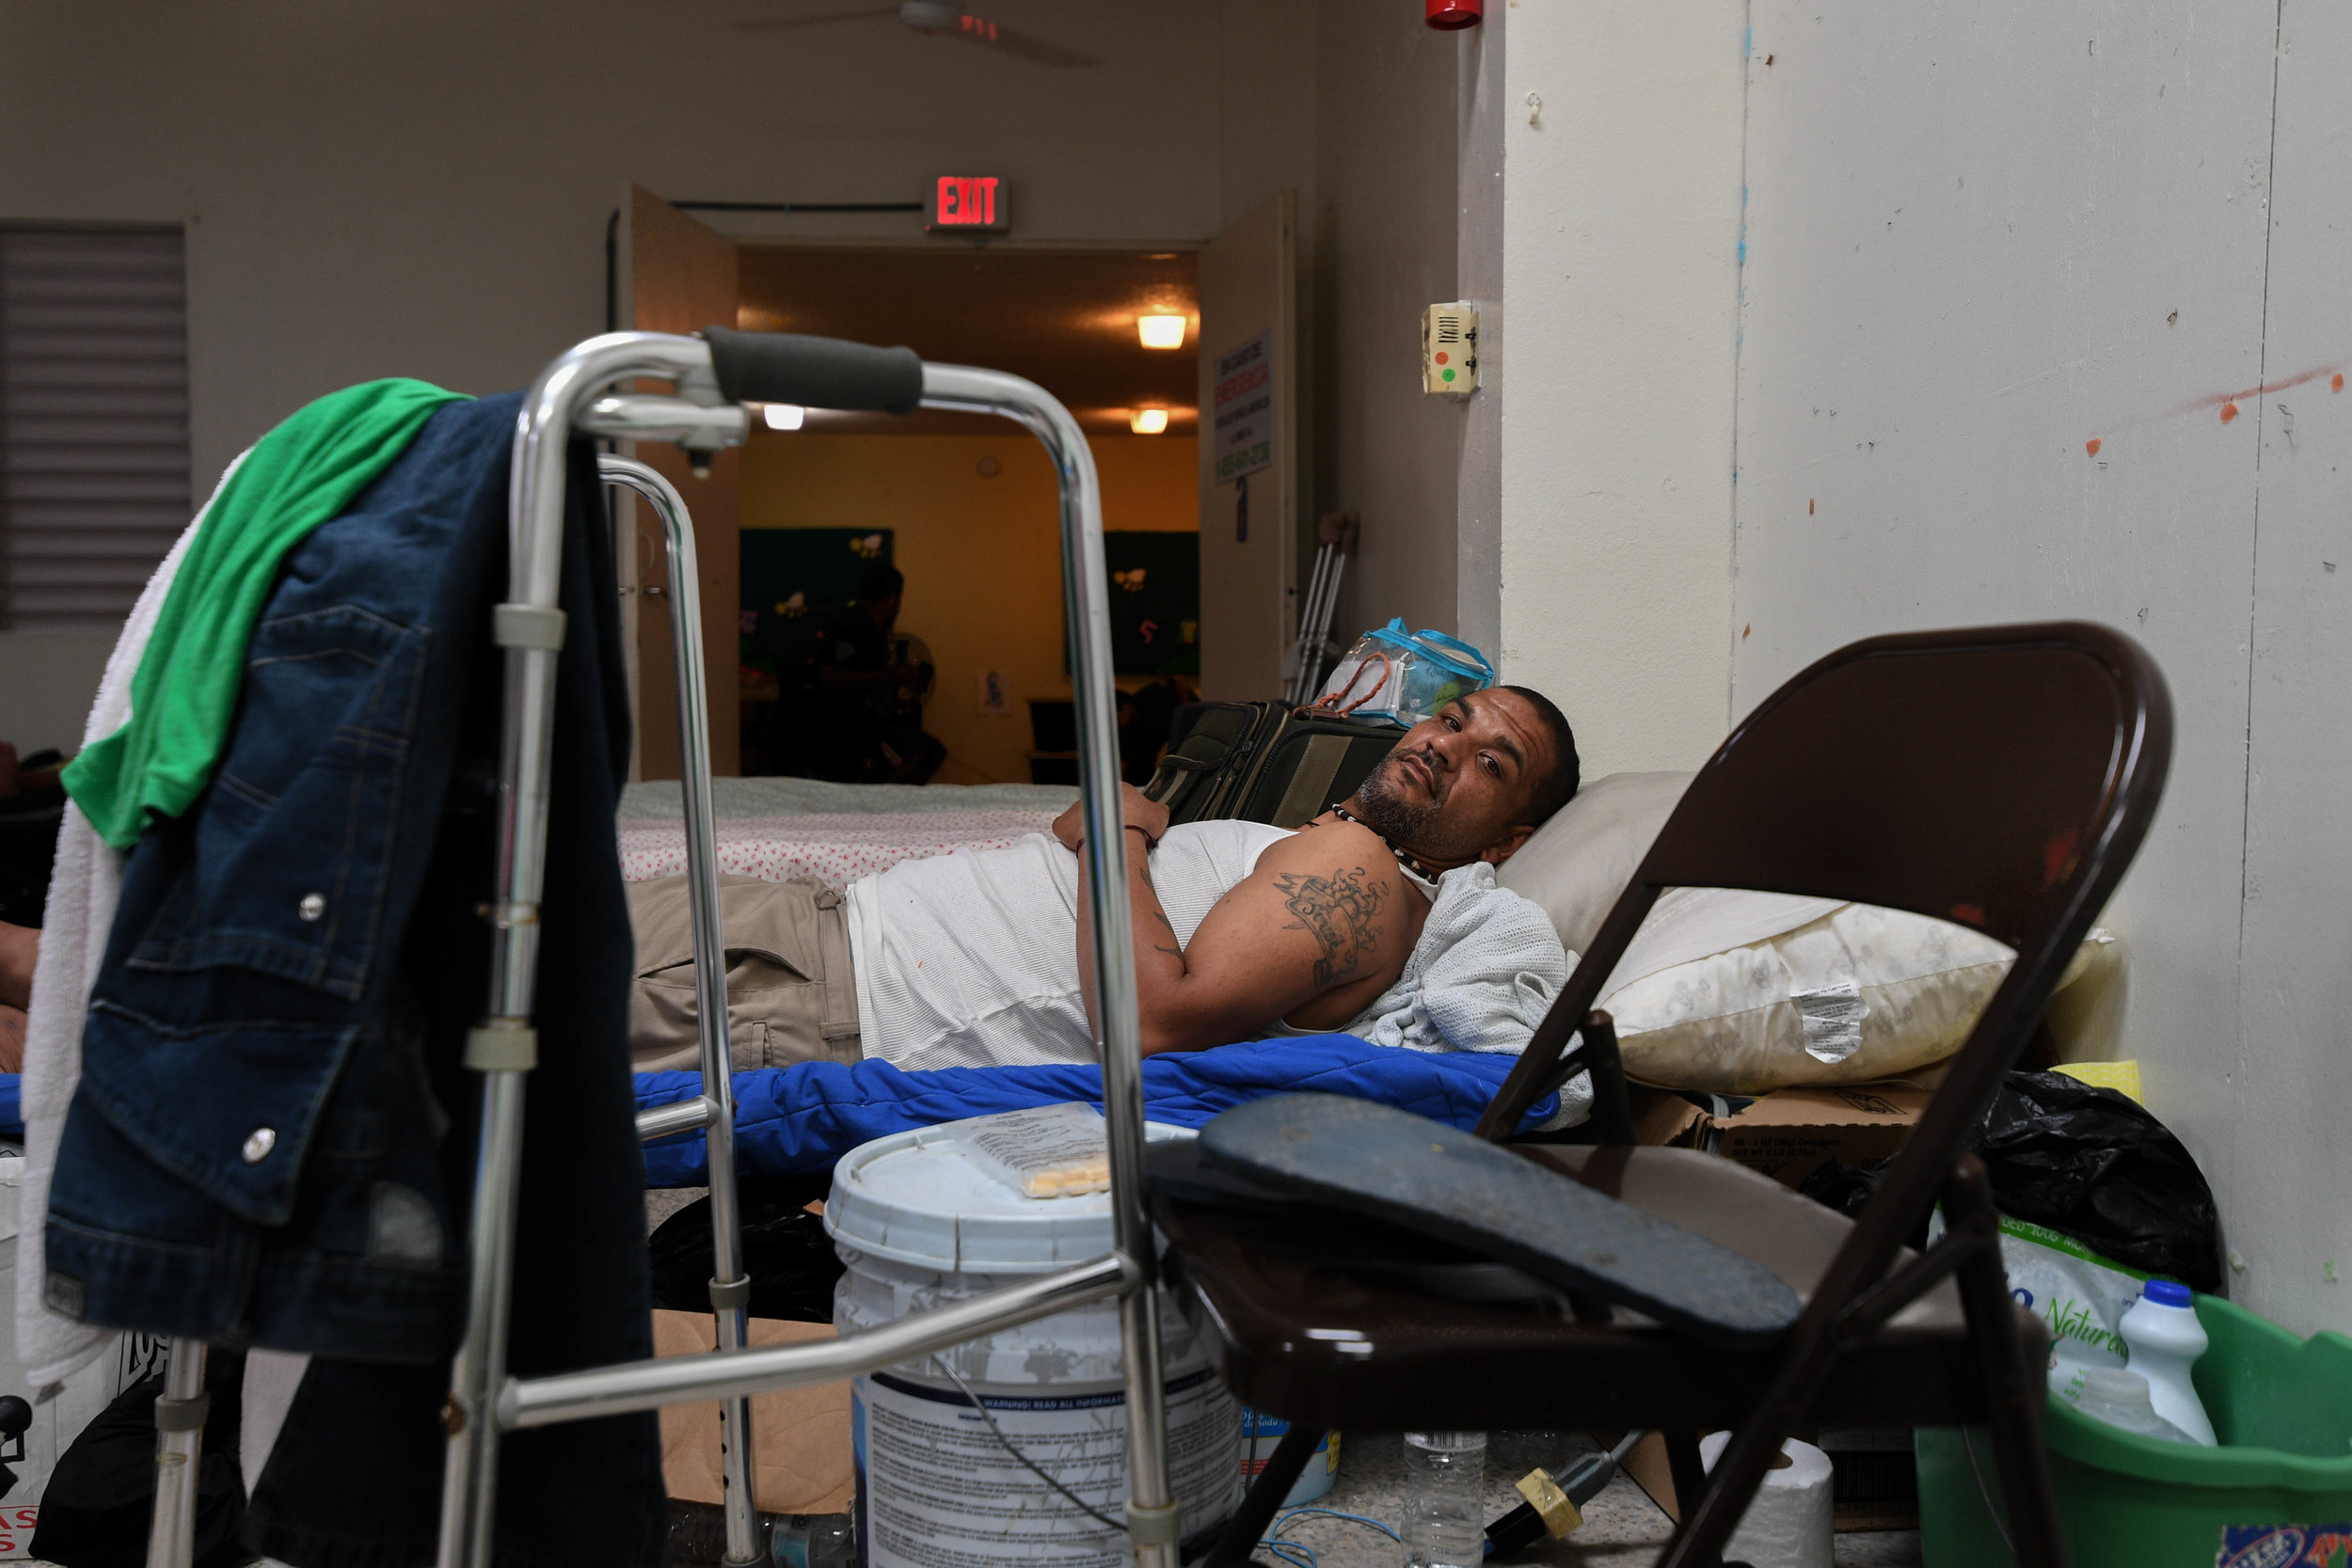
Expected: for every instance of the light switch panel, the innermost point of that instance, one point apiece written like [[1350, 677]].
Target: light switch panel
[[1449, 350]]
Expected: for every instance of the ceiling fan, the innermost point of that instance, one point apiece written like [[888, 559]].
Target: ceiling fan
[[939, 19]]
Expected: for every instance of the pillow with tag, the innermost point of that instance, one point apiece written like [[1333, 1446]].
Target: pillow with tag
[[1856, 993], [1736, 991]]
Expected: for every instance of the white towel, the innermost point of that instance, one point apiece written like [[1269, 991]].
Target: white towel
[[83, 887], [1481, 977]]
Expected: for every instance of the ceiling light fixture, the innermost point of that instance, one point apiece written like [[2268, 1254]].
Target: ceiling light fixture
[[1161, 331], [1147, 422], [784, 416]]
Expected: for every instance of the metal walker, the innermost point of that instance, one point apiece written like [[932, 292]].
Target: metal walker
[[716, 375]]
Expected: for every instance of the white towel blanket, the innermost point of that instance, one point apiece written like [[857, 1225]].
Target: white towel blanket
[[1482, 976], [83, 887]]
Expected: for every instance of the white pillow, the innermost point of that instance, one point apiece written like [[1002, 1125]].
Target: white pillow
[[1859, 994], [1576, 864], [1716, 989]]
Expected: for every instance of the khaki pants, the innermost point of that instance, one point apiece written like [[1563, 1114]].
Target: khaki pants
[[791, 996]]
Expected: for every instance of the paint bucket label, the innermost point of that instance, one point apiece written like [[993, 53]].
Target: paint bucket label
[[1261, 1434], [937, 1489]]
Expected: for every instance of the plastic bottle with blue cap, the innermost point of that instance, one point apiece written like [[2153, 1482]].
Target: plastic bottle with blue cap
[[2166, 1340]]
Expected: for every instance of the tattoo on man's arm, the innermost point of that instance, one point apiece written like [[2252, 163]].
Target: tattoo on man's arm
[[1342, 913], [1171, 947]]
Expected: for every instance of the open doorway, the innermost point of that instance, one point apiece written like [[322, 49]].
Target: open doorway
[[963, 678]]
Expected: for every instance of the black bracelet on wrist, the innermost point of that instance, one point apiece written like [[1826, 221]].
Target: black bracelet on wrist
[[1149, 843]]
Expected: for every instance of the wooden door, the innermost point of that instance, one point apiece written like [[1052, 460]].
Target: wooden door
[[1250, 433], [677, 276]]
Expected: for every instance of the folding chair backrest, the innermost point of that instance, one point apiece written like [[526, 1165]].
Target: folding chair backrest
[[1999, 777], [1967, 776]]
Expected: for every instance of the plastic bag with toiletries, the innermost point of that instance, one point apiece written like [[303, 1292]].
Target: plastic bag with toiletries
[[2107, 1226], [1403, 675]]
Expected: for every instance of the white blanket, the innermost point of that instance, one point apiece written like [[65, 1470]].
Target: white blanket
[[1483, 973], [84, 883]]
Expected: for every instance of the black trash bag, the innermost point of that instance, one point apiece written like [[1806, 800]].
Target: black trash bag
[[1849, 1189], [2095, 1165], [786, 1251], [101, 1498]]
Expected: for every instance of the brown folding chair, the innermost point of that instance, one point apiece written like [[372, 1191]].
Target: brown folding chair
[[2001, 778]]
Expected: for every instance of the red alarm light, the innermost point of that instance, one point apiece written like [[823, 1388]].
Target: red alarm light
[[1452, 16]]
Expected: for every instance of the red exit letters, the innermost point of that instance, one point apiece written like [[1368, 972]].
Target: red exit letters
[[970, 202]]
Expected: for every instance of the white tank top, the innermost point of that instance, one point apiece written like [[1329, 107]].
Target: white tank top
[[971, 960]]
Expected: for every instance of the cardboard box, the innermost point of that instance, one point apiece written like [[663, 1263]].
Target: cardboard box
[[800, 1437], [1788, 1134]]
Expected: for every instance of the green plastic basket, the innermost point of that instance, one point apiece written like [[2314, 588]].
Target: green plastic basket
[[2278, 1493]]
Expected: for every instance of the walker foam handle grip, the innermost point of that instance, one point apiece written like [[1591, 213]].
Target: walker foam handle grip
[[815, 373]]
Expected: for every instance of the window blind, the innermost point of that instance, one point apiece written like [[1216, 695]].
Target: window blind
[[93, 420]]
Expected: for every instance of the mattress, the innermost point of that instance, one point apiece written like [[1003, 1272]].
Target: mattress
[[775, 830]]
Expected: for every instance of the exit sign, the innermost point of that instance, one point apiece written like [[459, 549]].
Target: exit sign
[[968, 203]]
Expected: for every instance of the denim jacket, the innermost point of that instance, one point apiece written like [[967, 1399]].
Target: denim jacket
[[253, 1153]]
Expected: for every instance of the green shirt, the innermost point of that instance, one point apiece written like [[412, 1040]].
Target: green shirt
[[184, 694]]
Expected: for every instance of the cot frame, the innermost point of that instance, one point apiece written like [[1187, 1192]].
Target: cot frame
[[575, 395]]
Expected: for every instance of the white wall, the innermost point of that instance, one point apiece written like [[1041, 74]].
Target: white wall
[[1980, 239], [47, 681], [1621, 234], [422, 189], [1938, 252], [2284, 1080], [1385, 206], [1479, 110]]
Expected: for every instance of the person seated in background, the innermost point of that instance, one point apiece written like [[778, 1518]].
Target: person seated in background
[[1380, 918], [866, 720], [20, 949], [29, 798]]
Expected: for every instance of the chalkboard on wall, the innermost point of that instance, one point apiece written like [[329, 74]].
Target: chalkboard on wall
[[1155, 602], [796, 582]]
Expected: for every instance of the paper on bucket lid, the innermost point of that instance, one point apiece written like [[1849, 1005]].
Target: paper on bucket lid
[[928, 1198], [1052, 1151]]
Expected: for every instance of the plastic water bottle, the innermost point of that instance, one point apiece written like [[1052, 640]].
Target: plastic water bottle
[[698, 1537], [813, 1541], [2161, 1327], [1445, 1526], [2119, 1398]]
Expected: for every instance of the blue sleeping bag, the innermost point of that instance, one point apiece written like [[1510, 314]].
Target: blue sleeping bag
[[794, 1120]]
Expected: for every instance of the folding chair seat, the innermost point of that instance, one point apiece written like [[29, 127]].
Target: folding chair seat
[[1336, 1256], [1375, 1353]]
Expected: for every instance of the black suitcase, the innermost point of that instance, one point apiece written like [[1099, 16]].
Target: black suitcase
[[1261, 761]]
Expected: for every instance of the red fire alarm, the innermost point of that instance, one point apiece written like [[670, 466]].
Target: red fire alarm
[[1452, 16]]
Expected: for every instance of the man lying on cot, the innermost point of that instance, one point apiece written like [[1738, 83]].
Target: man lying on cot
[[1380, 918]]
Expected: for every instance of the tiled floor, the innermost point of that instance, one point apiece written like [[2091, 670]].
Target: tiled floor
[[1622, 1528]]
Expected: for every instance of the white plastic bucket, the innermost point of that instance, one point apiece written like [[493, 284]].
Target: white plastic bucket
[[919, 1225]]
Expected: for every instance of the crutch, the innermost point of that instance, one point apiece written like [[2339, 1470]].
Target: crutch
[[715, 375], [713, 1110], [1336, 533]]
